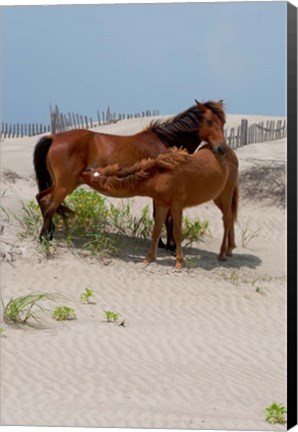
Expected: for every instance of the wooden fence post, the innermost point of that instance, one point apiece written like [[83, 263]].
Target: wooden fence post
[[244, 126], [231, 138], [74, 125]]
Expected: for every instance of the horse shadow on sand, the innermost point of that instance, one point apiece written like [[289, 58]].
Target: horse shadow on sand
[[133, 250]]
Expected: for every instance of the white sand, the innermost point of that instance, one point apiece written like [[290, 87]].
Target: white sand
[[203, 348]]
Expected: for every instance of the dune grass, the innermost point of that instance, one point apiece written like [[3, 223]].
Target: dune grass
[[98, 226], [26, 309]]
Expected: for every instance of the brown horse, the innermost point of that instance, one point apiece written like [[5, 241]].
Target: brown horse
[[176, 180], [59, 159]]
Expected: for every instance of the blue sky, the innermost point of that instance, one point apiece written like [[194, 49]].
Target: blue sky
[[134, 57]]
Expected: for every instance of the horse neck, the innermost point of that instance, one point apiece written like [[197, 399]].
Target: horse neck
[[187, 140]]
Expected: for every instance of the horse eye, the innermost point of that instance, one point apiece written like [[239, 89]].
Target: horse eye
[[209, 122]]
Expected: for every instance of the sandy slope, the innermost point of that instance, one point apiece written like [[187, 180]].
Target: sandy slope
[[203, 348]]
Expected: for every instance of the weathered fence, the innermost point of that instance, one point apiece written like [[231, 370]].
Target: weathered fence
[[61, 122], [235, 137], [256, 132], [18, 130]]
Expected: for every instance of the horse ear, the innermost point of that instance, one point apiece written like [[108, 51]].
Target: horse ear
[[200, 105], [221, 102]]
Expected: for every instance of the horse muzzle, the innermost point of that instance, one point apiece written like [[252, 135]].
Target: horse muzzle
[[220, 150]]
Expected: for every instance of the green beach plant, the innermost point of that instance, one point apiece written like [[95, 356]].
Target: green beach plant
[[26, 308], [235, 278], [30, 220], [247, 235], [193, 231], [275, 413], [62, 313], [111, 316], [86, 296], [94, 222]]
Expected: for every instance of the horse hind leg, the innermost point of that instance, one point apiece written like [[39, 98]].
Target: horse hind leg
[[234, 209], [43, 199], [231, 241], [228, 242], [50, 204], [224, 249], [64, 211], [159, 219]]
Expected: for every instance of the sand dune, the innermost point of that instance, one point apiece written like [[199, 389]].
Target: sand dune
[[201, 348]]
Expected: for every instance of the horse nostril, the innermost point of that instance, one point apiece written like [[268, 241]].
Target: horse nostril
[[221, 150]]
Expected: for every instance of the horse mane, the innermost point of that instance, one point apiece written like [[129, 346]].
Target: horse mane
[[115, 177], [217, 108], [183, 127]]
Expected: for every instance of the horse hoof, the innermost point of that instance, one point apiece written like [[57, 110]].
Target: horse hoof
[[221, 258], [48, 236], [178, 266], [148, 260]]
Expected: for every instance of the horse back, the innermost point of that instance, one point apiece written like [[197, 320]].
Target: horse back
[[86, 148]]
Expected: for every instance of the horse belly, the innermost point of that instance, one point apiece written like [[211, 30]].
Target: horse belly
[[161, 188], [203, 189]]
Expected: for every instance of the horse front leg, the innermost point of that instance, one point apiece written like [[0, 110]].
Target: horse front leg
[[170, 244], [159, 219], [177, 232]]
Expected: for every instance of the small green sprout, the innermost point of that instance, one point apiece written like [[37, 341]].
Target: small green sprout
[[85, 297], [260, 290], [62, 313], [111, 316], [247, 235], [275, 413], [235, 279], [2, 331]]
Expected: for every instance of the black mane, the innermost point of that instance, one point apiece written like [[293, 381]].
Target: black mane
[[182, 130]]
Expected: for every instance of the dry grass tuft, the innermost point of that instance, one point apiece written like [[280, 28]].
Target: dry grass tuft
[[265, 183], [11, 176]]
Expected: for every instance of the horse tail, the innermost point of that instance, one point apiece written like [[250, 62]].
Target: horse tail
[[235, 199], [43, 177], [115, 177]]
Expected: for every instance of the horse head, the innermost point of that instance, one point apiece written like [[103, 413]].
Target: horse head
[[212, 121]]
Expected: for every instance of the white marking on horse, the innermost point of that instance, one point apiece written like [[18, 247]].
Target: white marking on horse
[[203, 143]]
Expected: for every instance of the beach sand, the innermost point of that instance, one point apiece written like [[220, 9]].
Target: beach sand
[[202, 348]]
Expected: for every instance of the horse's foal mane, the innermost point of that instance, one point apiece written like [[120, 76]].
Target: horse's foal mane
[[114, 177]]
